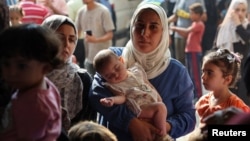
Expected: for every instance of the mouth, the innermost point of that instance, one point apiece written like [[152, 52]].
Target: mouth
[[143, 42], [66, 54]]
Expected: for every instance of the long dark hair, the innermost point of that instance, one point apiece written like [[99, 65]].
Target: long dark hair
[[4, 15]]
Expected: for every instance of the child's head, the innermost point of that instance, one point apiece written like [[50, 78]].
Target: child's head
[[220, 67], [110, 66], [90, 131], [67, 31], [16, 14], [27, 53], [196, 11]]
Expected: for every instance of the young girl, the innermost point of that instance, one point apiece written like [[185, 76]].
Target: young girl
[[16, 14], [34, 112], [130, 86], [220, 71]]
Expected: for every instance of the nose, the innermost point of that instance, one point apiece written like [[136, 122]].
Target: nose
[[203, 76], [66, 43], [116, 75], [145, 32]]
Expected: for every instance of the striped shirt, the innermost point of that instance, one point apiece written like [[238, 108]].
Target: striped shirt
[[33, 13]]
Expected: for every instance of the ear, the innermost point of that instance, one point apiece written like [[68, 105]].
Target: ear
[[121, 59], [228, 79]]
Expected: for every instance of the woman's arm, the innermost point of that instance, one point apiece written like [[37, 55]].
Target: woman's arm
[[176, 89], [244, 33]]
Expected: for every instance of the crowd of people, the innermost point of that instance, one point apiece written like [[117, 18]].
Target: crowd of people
[[150, 89]]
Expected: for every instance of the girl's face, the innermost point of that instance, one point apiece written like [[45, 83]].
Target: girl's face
[[68, 37], [212, 77], [241, 11], [15, 18], [115, 71], [147, 31], [194, 16], [23, 74]]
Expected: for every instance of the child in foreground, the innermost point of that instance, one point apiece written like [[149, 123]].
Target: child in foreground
[[130, 86], [220, 71], [34, 111], [90, 131]]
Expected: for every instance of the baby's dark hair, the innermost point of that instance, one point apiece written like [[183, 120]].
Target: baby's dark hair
[[102, 58], [31, 41], [228, 62], [196, 8]]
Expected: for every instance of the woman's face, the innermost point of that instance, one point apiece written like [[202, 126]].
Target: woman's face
[[68, 37], [241, 11], [147, 31]]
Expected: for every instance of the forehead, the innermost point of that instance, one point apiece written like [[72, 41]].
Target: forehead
[[240, 5], [147, 14], [66, 26], [15, 14], [210, 66]]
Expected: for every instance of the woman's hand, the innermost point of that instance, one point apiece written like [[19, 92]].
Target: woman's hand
[[235, 18], [142, 130]]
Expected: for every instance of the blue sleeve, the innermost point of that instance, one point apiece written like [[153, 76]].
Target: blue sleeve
[[118, 116], [176, 89], [117, 50]]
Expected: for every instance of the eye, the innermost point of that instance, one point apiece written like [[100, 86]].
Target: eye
[[153, 27], [139, 26], [22, 66], [72, 40]]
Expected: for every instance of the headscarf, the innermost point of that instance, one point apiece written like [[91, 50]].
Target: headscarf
[[227, 34], [66, 78], [155, 62]]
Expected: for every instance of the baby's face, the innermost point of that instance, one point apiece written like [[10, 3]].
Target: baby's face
[[115, 71], [15, 18]]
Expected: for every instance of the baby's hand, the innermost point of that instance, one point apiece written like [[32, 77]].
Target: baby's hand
[[108, 102]]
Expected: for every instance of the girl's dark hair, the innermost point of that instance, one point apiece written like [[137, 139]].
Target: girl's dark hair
[[90, 131], [228, 62], [31, 41]]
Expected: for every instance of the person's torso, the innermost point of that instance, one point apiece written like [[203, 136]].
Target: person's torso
[[99, 21], [194, 39], [35, 114], [33, 13]]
